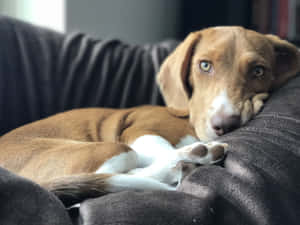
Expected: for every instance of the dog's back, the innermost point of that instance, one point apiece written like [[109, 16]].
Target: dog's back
[[53, 147]]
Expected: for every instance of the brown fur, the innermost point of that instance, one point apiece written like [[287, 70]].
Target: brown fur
[[73, 189], [233, 52], [80, 141]]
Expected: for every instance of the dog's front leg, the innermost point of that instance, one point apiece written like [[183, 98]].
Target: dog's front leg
[[163, 159]]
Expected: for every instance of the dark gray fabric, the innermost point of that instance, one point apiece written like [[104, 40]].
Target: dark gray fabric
[[108, 73], [147, 208], [28, 69], [43, 72], [23, 202]]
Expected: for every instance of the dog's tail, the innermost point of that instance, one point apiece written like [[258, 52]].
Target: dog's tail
[[74, 189]]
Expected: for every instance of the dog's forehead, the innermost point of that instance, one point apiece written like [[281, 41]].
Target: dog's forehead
[[232, 41], [226, 36]]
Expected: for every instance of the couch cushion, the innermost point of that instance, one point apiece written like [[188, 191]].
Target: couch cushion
[[23, 202], [147, 208]]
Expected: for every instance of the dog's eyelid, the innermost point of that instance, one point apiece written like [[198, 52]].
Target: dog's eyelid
[[252, 66], [259, 66], [259, 62]]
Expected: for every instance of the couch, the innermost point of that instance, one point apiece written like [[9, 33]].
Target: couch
[[43, 72]]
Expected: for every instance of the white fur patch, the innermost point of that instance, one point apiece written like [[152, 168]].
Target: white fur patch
[[119, 164], [161, 170], [122, 182], [149, 148], [186, 140], [222, 102]]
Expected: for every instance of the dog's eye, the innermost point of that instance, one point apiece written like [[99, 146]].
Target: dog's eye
[[205, 66], [174, 184], [258, 71]]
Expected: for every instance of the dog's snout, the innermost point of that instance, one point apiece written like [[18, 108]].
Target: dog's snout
[[222, 124]]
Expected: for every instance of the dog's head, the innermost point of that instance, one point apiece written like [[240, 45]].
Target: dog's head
[[221, 76]]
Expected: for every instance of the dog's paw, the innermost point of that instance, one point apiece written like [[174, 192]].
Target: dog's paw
[[253, 106], [203, 153], [258, 102]]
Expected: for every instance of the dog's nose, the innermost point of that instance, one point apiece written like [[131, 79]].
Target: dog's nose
[[223, 124]]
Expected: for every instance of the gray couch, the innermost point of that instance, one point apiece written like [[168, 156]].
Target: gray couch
[[43, 72]]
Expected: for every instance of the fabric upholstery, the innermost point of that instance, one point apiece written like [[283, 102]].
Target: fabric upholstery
[[160, 207], [23, 202], [43, 72]]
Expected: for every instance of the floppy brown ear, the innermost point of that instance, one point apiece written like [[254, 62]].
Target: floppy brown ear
[[287, 61], [172, 76]]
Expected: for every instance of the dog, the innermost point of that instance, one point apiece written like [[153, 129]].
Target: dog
[[215, 81]]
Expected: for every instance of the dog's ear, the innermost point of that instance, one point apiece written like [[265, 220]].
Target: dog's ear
[[287, 60], [173, 73]]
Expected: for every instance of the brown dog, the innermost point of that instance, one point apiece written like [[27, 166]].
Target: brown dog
[[214, 82]]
